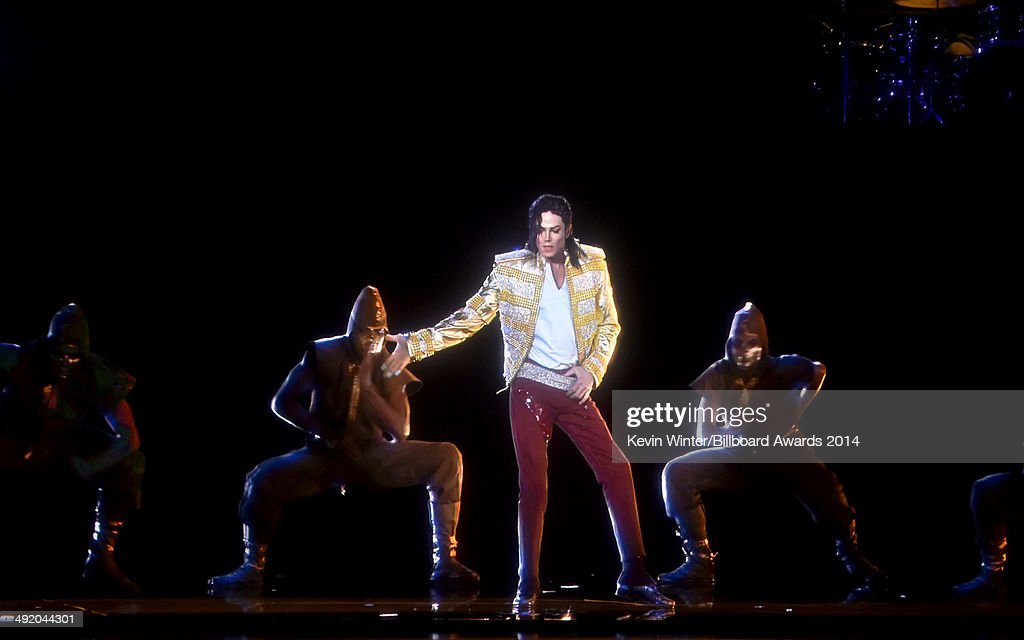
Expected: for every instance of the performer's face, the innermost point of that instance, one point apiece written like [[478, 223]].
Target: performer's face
[[369, 340], [551, 237], [64, 359], [746, 350]]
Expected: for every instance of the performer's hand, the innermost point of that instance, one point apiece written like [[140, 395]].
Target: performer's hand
[[584, 384], [399, 359]]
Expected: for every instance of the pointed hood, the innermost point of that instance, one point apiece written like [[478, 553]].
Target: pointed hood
[[69, 326], [368, 311], [747, 320]]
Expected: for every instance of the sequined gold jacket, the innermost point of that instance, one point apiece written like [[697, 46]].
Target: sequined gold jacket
[[513, 291]]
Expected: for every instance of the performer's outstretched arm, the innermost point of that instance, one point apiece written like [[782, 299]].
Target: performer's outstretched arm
[[455, 329]]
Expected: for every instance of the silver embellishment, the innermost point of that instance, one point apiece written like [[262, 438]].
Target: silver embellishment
[[546, 377]]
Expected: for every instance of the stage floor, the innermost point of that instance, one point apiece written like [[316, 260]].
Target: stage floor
[[492, 617]]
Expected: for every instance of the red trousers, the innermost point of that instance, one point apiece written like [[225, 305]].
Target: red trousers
[[534, 408]]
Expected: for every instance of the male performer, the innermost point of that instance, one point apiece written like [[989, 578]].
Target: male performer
[[559, 325], [358, 422], [747, 366], [60, 403]]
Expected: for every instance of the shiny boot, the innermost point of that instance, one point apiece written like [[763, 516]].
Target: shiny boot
[[869, 582], [697, 569], [990, 584], [247, 579], [449, 573], [101, 574]]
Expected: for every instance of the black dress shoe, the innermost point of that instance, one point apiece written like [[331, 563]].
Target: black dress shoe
[[644, 594], [525, 602]]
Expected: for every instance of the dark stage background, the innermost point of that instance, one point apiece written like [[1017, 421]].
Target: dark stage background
[[215, 193]]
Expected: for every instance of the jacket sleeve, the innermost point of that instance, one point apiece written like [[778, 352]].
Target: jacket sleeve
[[464, 323], [608, 329]]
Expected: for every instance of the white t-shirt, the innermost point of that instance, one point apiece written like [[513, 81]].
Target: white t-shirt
[[554, 341]]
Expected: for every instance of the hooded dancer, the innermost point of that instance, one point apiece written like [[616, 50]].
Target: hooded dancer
[[747, 366], [62, 404], [559, 325], [340, 397]]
